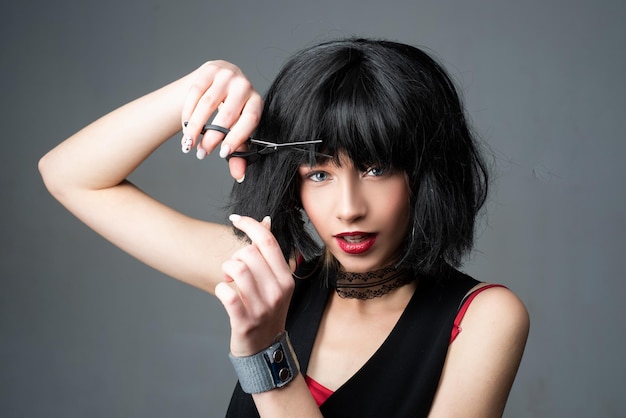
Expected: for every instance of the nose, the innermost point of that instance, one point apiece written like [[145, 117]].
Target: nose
[[351, 202]]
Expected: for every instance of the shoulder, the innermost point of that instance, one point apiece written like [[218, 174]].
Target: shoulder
[[497, 306], [483, 360], [496, 318]]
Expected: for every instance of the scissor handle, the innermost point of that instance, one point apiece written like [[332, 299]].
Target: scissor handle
[[251, 156], [210, 127]]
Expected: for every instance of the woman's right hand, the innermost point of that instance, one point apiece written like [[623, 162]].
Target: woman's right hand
[[221, 86]]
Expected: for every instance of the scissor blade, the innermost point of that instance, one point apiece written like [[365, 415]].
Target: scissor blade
[[283, 144]]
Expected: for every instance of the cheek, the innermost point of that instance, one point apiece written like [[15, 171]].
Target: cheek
[[394, 202]]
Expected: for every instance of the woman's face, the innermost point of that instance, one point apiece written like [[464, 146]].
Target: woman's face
[[361, 216]]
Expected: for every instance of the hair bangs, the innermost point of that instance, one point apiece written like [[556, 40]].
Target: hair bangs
[[358, 114]]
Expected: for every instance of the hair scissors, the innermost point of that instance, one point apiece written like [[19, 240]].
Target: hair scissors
[[257, 147]]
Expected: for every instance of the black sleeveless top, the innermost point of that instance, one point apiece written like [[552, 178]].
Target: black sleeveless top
[[401, 378]]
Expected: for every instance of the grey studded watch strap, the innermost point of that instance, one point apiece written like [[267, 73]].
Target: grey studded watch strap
[[271, 368]]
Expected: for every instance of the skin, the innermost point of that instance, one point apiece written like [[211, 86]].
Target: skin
[[87, 174], [340, 199]]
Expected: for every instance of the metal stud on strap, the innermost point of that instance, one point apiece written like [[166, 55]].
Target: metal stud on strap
[[271, 368]]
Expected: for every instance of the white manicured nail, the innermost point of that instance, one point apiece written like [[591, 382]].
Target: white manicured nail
[[224, 151], [241, 179], [200, 154], [234, 217], [186, 145]]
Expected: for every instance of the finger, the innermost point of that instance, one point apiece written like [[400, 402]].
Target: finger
[[252, 274], [244, 282], [242, 123], [267, 223], [232, 303], [205, 108], [266, 243], [236, 269], [192, 120], [213, 83], [240, 132], [258, 289], [238, 95], [237, 167], [245, 335], [203, 79]]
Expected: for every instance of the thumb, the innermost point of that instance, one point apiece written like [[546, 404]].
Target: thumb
[[267, 223]]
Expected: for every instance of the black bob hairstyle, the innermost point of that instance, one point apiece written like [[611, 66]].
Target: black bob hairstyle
[[383, 104]]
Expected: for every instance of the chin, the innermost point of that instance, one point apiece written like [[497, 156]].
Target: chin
[[361, 263]]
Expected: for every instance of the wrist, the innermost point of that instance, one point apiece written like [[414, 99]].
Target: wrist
[[271, 368]]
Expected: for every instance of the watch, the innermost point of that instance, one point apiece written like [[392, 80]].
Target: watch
[[269, 369]]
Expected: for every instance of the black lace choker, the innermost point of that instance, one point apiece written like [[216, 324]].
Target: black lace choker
[[372, 284]]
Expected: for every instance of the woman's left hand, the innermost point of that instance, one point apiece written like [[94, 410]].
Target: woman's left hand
[[257, 289]]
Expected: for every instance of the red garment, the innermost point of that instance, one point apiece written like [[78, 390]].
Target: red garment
[[456, 328], [321, 393]]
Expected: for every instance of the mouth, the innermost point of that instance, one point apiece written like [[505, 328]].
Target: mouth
[[355, 242]]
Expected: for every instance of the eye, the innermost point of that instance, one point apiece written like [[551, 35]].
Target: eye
[[375, 171], [317, 176]]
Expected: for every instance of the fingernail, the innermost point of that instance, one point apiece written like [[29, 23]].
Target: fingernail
[[241, 179], [186, 144], [225, 151], [234, 217], [200, 153], [267, 221]]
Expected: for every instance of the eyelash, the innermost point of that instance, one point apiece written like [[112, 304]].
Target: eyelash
[[382, 171], [312, 176], [370, 171]]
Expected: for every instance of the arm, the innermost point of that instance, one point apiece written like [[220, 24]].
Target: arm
[[87, 172], [483, 360], [256, 294]]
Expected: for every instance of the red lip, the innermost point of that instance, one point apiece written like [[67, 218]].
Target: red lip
[[355, 247]]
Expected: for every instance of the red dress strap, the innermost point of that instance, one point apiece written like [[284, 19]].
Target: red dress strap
[[456, 328]]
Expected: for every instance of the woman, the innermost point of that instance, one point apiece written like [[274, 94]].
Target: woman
[[372, 148]]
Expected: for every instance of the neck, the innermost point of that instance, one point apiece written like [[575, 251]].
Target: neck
[[394, 301], [370, 285]]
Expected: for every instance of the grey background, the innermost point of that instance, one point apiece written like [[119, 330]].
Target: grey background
[[87, 331]]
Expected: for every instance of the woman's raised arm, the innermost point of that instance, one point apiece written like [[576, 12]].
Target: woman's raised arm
[[87, 172]]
